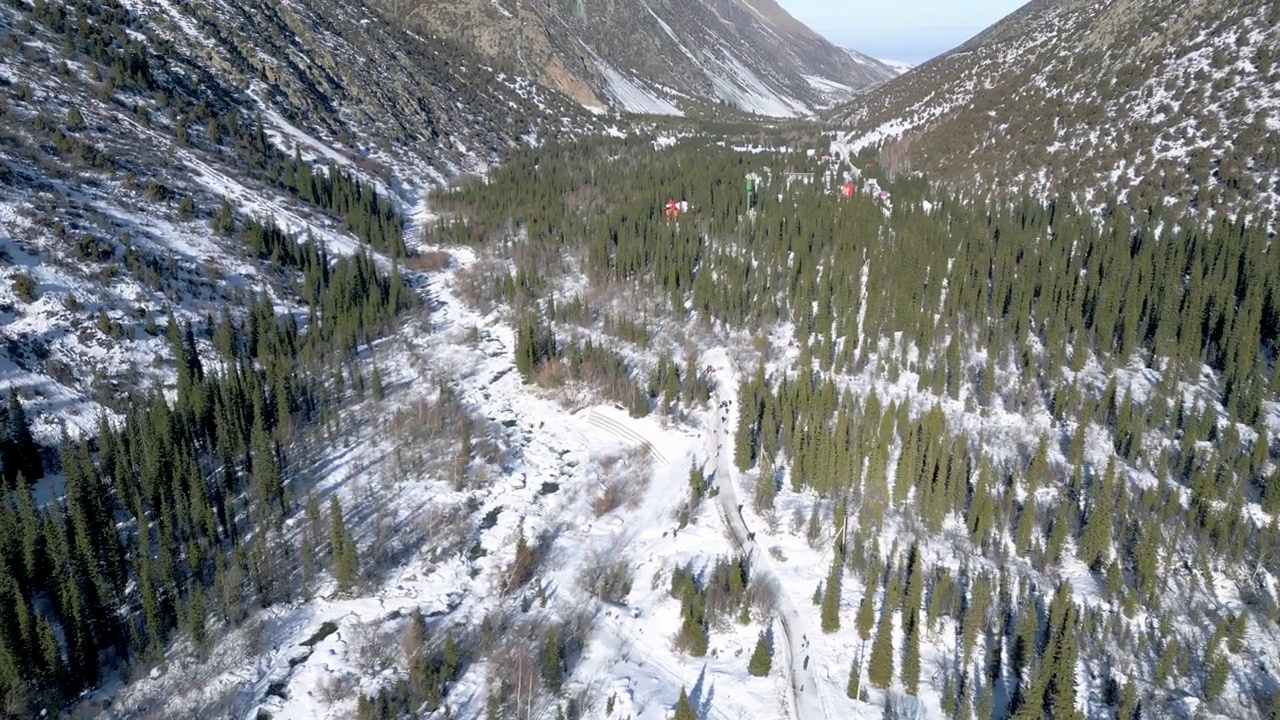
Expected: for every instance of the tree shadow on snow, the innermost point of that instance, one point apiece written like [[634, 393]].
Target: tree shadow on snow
[[702, 705]]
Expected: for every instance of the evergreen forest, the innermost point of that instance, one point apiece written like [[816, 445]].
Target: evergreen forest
[[1044, 429]]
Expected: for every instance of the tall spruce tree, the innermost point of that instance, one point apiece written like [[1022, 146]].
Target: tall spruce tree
[[831, 594], [761, 658], [880, 665], [683, 710], [346, 563]]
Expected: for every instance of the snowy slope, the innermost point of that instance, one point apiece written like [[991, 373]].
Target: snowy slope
[[898, 66], [1149, 102], [699, 55], [110, 218]]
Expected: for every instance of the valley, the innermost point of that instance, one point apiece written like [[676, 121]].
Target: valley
[[355, 367]]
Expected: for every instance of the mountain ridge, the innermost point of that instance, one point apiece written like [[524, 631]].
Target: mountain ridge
[[1083, 98], [659, 56]]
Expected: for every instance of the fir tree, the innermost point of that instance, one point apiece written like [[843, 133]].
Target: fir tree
[[854, 687], [761, 659], [831, 595], [866, 611], [346, 564], [911, 657], [880, 665], [683, 710]]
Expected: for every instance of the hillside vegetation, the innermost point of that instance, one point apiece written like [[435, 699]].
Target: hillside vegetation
[[1040, 445], [1145, 103], [349, 373]]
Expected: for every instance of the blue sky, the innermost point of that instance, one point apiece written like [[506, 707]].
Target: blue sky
[[908, 30]]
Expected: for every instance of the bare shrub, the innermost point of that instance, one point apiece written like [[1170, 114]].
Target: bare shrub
[[772, 521], [797, 520], [445, 528], [334, 689], [370, 648], [475, 283], [552, 374], [413, 640], [520, 683], [624, 478], [428, 261], [585, 198], [640, 468], [610, 497], [607, 575], [763, 595]]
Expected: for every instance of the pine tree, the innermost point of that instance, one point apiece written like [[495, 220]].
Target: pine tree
[[29, 525], [765, 486], [911, 656], [552, 662], [1272, 711], [866, 611], [854, 688], [75, 120], [831, 595], [346, 563], [880, 666], [1217, 669], [266, 473], [18, 449], [744, 438], [1271, 488], [1095, 537], [1127, 704], [761, 659], [684, 711]]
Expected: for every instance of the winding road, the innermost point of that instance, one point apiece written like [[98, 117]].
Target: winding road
[[807, 702]]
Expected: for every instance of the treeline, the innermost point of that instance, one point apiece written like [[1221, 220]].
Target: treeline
[[176, 516], [1006, 276]]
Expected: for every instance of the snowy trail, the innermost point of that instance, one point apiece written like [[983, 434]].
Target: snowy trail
[[806, 694]]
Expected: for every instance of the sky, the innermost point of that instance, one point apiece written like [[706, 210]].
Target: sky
[[909, 30]]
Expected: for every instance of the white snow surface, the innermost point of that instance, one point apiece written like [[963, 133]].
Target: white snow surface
[[632, 96], [897, 66]]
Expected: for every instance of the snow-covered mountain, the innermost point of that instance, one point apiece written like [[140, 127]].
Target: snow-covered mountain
[[1142, 101], [111, 171], [660, 56], [517, 543], [898, 66]]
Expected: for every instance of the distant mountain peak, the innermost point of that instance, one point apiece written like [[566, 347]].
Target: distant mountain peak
[[663, 56]]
